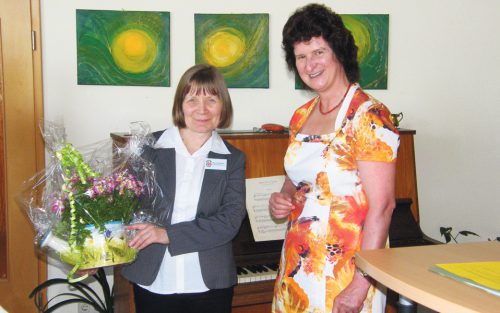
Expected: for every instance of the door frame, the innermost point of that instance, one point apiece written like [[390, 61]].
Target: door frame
[[38, 105], [23, 149]]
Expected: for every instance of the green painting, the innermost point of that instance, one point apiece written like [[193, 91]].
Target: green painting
[[237, 44], [371, 33], [128, 48]]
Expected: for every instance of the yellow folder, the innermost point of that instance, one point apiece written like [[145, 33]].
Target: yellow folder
[[484, 275]]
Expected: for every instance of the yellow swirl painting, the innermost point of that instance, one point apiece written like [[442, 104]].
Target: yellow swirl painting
[[123, 48], [134, 51], [237, 44]]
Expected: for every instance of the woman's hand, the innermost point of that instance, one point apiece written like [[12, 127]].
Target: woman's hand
[[352, 298], [280, 205], [88, 272], [147, 234]]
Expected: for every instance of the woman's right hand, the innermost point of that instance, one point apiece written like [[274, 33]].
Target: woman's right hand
[[147, 234], [280, 205], [88, 272]]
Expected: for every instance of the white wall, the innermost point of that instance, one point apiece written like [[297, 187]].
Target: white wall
[[444, 62]]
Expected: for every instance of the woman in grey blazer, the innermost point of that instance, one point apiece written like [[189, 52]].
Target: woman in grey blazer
[[185, 263]]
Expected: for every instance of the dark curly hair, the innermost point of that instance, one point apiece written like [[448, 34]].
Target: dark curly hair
[[315, 20]]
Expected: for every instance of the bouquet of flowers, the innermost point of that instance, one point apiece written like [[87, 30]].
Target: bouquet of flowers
[[81, 203]]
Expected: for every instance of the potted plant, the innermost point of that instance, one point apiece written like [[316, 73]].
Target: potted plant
[[447, 233]]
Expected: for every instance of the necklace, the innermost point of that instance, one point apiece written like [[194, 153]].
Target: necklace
[[338, 104]]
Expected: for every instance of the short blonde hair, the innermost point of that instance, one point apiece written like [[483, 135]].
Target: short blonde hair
[[202, 78]]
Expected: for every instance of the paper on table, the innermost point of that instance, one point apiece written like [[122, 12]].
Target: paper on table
[[484, 275], [259, 191]]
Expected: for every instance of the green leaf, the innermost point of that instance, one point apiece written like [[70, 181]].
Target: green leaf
[[46, 284], [446, 233], [69, 301], [100, 276], [86, 294], [467, 233], [445, 230]]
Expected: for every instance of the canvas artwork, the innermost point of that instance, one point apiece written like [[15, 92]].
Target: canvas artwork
[[237, 44], [371, 33], [128, 48]]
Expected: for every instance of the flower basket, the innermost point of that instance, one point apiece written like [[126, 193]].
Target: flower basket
[[102, 248], [81, 203]]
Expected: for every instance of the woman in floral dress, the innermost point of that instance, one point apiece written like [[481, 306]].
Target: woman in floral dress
[[338, 195]]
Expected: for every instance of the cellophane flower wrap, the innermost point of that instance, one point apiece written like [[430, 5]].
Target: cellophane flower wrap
[[82, 201]]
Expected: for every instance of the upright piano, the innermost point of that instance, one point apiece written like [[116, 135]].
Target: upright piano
[[257, 261]]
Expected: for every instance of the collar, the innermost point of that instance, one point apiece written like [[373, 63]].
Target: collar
[[218, 145], [171, 138]]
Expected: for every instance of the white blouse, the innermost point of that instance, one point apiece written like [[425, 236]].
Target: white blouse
[[182, 273]]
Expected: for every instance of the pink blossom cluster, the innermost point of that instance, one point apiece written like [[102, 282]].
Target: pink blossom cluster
[[123, 182]]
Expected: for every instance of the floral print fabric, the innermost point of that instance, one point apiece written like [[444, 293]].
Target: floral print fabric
[[325, 228]]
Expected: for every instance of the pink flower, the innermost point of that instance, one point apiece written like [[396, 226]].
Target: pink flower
[[57, 207]]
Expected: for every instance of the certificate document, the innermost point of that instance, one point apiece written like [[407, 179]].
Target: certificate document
[[259, 190]]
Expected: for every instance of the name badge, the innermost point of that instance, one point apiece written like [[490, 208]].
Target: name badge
[[216, 164]]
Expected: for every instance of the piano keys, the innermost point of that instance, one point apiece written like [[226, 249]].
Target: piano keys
[[254, 273], [255, 261]]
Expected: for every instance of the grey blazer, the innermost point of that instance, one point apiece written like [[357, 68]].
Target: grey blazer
[[221, 209]]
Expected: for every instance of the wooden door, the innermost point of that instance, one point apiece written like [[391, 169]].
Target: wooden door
[[21, 151]]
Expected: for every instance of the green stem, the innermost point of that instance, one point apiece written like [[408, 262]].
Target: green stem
[[72, 159]]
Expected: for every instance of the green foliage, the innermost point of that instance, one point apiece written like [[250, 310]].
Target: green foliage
[[83, 294], [447, 233]]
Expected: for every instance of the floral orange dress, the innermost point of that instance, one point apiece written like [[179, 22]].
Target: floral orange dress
[[325, 228]]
